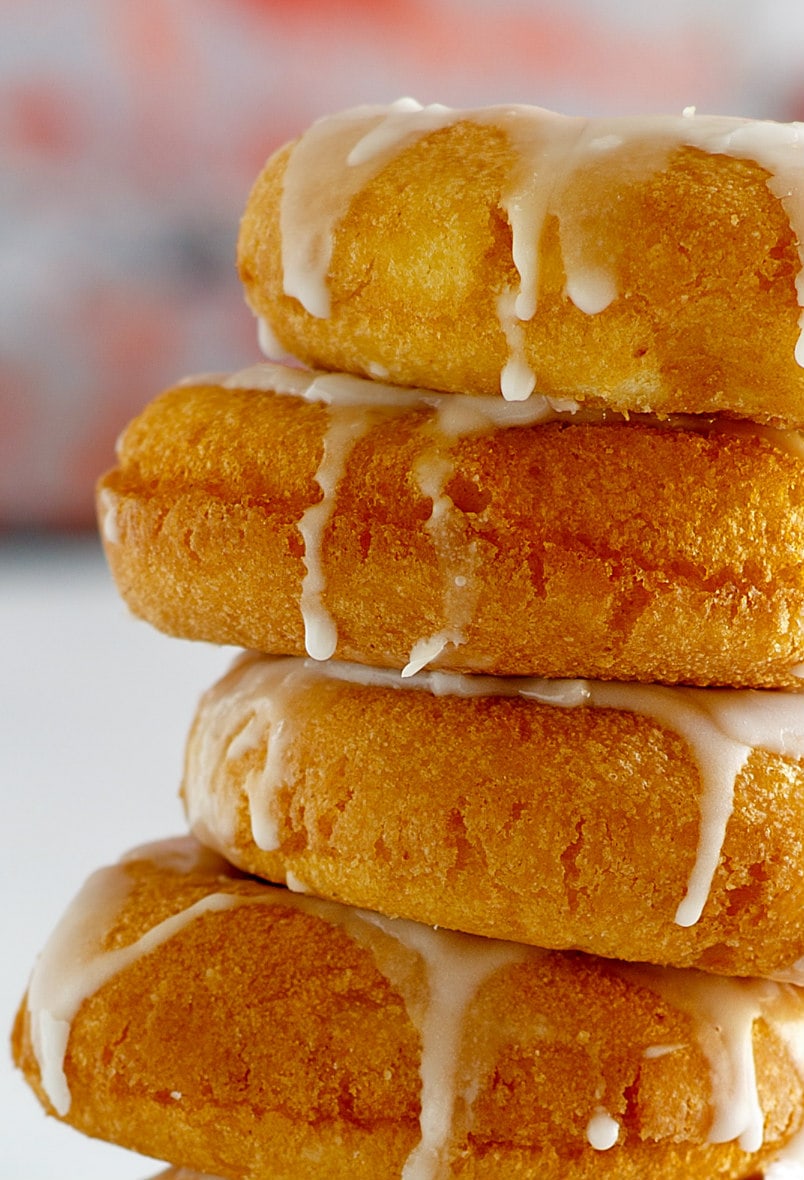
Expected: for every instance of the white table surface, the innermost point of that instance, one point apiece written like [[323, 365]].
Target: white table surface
[[95, 709]]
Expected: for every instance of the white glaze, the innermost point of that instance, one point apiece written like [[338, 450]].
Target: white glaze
[[702, 720], [355, 406], [73, 966], [517, 379], [432, 471], [295, 884], [456, 966], [108, 519], [268, 343], [343, 431], [258, 706], [654, 1051], [342, 389], [723, 1011], [339, 155], [459, 413]]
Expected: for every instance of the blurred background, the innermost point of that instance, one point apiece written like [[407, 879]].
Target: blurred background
[[131, 133]]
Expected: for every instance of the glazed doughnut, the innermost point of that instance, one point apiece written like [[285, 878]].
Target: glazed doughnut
[[641, 823], [285, 512], [640, 264], [235, 1029]]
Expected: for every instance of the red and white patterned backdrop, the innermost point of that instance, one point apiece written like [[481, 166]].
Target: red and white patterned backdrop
[[131, 130]]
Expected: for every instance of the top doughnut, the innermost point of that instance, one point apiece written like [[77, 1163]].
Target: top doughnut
[[642, 264]]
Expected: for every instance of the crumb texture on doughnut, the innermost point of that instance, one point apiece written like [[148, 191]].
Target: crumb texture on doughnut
[[599, 550], [557, 826], [273, 1030], [698, 247]]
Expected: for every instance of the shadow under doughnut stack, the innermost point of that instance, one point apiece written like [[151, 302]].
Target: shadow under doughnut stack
[[497, 854]]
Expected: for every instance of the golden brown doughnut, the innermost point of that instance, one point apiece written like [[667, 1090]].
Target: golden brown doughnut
[[564, 815], [255, 1035], [657, 258], [568, 547]]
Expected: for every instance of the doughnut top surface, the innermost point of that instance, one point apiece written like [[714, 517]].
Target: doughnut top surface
[[640, 263]]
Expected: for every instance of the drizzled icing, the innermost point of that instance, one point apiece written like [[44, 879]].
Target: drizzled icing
[[456, 967], [340, 154], [74, 966], [345, 428], [720, 726], [262, 694], [724, 1011], [355, 405]]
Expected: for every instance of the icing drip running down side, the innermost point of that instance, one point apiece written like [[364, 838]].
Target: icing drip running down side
[[720, 726], [74, 966], [724, 1011], [350, 148], [355, 406], [344, 430], [456, 967]]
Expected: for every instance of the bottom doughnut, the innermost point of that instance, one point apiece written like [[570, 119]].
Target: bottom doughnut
[[231, 1028]]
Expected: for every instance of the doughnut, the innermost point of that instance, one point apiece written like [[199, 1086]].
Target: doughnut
[[644, 823], [232, 1028], [293, 513], [638, 264]]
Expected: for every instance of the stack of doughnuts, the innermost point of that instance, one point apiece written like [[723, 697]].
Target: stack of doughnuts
[[496, 864]]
